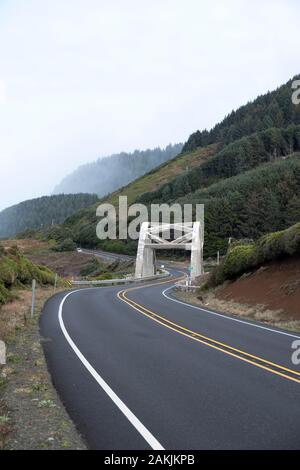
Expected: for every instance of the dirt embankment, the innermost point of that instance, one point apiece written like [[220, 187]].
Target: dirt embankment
[[276, 286]]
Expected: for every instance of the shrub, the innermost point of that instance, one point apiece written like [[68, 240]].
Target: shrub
[[291, 240], [238, 259], [18, 271], [8, 271], [105, 276], [243, 258], [269, 247], [66, 245], [4, 294], [93, 267]]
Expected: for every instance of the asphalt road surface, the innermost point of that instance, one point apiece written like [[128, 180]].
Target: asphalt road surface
[[106, 255], [137, 369]]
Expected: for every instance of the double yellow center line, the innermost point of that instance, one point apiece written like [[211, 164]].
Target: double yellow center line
[[257, 361]]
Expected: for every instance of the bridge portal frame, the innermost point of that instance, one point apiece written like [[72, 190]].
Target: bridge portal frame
[[155, 236]]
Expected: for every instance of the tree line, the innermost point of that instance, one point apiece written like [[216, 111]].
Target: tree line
[[273, 109], [251, 204], [238, 157], [41, 212]]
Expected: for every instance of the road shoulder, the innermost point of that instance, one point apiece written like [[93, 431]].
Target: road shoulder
[[31, 413]]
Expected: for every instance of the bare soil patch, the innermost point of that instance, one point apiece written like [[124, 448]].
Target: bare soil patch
[[68, 264], [276, 286], [271, 295]]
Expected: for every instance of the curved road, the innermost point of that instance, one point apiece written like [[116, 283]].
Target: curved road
[[136, 369]]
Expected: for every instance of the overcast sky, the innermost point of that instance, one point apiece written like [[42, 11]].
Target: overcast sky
[[80, 79]]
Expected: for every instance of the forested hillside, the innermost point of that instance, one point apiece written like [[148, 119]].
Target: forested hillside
[[251, 204], [238, 157], [110, 173], [41, 212], [248, 177], [274, 109]]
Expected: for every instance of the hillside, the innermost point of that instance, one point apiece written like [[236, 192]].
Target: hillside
[[82, 225], [273, 109], [258, 280], [16, 271], [236, 158], [275, 285], [43, 211], [251, 204], [249, 182], [246, 256], [110, 173]]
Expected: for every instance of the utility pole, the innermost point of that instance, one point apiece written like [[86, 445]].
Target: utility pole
[[55, 283], [33, 297]]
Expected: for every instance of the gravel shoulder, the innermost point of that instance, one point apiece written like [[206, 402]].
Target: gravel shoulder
[[31, 413]]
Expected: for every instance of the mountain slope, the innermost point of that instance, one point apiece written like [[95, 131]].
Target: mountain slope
[[250, 186], [251, 204], [43, 211], [110, 173], [273, 109], [236, 158], [82, 225]]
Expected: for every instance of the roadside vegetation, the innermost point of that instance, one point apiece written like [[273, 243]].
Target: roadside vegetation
[[17, 272], [236, 158], [97, 269], [31, 414], [258, 280], [245, 257]]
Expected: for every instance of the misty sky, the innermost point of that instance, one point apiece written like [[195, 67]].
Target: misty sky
[[81, 79]]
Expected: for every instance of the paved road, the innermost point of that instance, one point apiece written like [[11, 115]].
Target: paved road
[[186, 379], [106, 255]]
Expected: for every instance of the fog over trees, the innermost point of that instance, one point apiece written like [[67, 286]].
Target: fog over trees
[[110, 173]]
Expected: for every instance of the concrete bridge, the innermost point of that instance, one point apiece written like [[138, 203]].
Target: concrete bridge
[[186, 236]]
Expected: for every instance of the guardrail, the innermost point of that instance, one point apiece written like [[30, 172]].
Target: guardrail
[[127, 280]]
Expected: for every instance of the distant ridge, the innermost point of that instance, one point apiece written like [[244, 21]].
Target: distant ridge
[[111, 173], [41, 212]]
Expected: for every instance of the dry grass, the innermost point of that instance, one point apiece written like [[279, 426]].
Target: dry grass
[[26, 245], [163, 174], [259, 313], [14, 315], [31, 414]]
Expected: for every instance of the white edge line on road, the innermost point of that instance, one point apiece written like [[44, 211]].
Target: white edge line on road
[[149, 438], [226, 316]]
